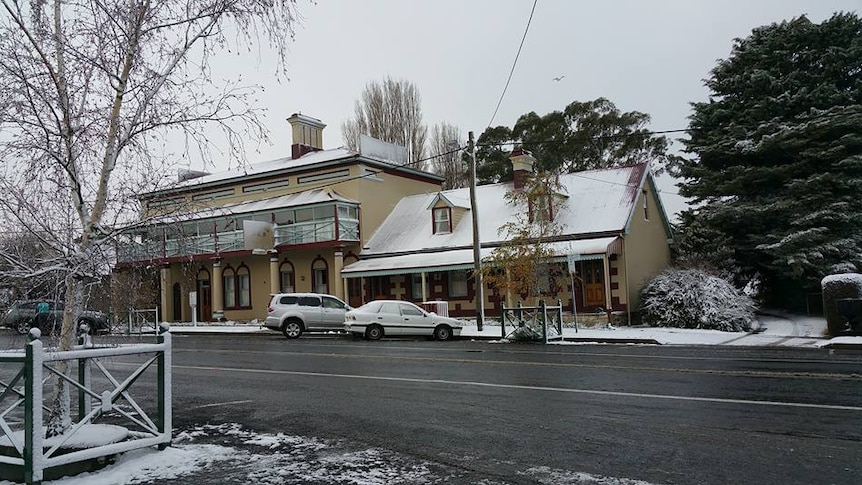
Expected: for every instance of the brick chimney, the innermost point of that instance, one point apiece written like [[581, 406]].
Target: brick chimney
[[522, 166], [307, 134]]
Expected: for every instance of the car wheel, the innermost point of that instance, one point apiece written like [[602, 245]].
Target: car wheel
[[374, 332], [443, 333], [292, 329], [22, 327]]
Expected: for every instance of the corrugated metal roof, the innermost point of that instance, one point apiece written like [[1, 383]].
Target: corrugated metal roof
[[596, 202], [308, 197]]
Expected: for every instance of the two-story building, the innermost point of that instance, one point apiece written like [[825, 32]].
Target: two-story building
[[614, 234], [291, 224]]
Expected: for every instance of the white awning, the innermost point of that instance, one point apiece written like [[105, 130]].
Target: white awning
[[413, 263], [463, 258]]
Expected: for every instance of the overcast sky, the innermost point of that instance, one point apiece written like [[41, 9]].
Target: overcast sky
[[649, 56]]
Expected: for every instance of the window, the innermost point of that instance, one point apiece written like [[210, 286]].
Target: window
[[544, 279], [416, 286], [286, 277], [410, 310], [312, 301], [442, 220], [288, 300], [221, 194], [237, 287], [389, 307], [248, 189], [541, 209], [319, 276], [323, 176], [457, 284], [329, 302], [380, 286]]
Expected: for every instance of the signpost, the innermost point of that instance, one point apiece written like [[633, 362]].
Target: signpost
[[571, 259], [193, 302]]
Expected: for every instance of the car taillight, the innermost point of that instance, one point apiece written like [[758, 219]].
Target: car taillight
[[270, 309]]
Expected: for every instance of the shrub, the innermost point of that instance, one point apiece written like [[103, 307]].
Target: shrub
[[695, 299], [837, 286]]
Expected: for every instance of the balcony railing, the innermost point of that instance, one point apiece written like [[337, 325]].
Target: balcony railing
[[296, 233]]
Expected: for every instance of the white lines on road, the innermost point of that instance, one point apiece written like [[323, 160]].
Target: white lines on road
[[216, 404], [529, 388]]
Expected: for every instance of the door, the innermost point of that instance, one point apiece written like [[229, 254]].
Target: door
[[333, 313], [390, 317], [178, 303], [593, 275], [205, 301], [415, 320]]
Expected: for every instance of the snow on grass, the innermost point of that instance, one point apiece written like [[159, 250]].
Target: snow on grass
[[551, 476]]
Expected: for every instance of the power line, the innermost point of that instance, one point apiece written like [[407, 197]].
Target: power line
[[512, 71]]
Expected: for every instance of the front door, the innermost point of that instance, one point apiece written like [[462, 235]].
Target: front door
[[593, 275], [205, 301]]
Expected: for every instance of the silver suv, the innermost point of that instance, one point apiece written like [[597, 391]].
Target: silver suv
[[294, 313]]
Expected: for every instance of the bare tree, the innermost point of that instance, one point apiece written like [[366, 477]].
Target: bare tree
[[447, 161], [390, 111], [88, 93]]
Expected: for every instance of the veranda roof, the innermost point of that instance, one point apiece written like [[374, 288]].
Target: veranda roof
[[463, 258]]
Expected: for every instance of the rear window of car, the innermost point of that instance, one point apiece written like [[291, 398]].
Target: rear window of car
[[287, 300], [309, 301]]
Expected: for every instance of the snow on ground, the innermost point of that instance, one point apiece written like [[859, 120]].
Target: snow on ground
[[228, 453]]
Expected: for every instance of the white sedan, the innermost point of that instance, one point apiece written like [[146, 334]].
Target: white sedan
[[394, 317]]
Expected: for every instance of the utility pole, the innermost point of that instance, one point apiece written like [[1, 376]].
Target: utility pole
[[477, 255]]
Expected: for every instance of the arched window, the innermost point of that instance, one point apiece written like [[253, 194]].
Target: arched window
[[237, 287], [229, 287], [320, 276], [286, 276]]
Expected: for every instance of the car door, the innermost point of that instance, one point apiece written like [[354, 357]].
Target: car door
[[332, 313], [389, 316], [415, 321], [310, 308]]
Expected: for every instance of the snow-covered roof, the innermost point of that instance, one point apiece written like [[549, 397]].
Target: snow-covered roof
[[597, 203], [308, 197], [462, 258], [316, 159]]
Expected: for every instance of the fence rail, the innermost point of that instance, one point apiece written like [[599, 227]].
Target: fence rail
[[103, 397], [533, 323]]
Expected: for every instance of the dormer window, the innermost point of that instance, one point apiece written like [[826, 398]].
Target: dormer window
[[541, 209], [442, 220]]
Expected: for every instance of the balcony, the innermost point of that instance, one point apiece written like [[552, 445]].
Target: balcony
[[147, 249]]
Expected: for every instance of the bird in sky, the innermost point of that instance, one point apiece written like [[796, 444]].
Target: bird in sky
[[559, 78]]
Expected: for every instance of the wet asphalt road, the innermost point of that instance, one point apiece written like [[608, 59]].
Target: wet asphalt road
[[485, 413]]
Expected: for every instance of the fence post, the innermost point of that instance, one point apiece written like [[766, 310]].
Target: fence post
[[503, 321], [84, 403], [543, 315], [33, 409], [560, 317], [165, 418]]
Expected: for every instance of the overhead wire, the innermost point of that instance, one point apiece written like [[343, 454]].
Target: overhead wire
[[515, 63]]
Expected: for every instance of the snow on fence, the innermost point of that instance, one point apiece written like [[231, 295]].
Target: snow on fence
[[105, 405], [533, 322], [140, 320]]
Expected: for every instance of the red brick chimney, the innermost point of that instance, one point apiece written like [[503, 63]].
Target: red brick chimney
[[307, 134], [522, 166]]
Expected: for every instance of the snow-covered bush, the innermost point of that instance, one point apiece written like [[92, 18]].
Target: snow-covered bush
[[688, 298], [835, 287]]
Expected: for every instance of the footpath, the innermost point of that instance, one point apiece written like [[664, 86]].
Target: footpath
[[771, 330]]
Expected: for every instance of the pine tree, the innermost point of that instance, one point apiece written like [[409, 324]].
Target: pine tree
[[777, 151]]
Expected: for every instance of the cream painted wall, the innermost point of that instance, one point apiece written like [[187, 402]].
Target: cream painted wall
[[646, 248]]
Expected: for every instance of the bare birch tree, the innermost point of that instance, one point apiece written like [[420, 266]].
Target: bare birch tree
[[390, 111], [445, 162], [89, 91]]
